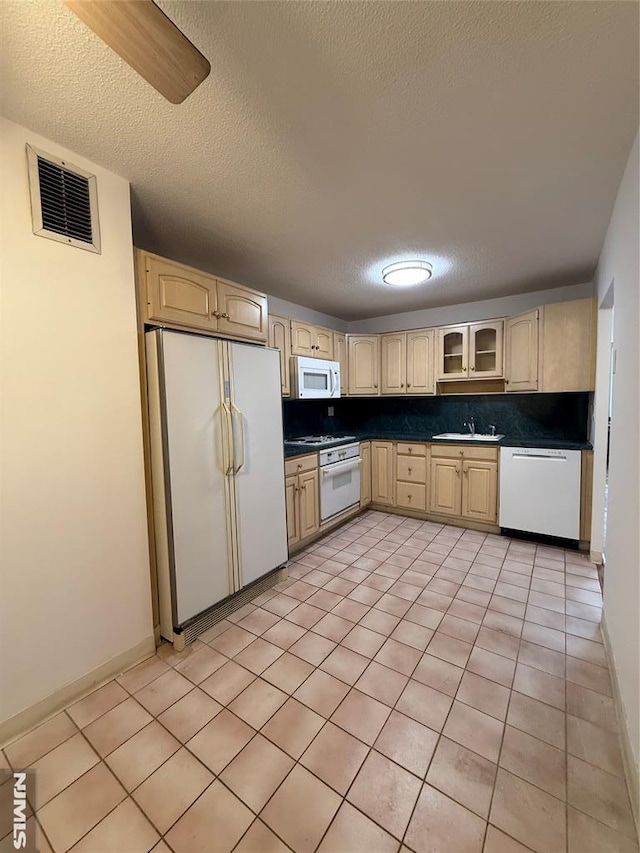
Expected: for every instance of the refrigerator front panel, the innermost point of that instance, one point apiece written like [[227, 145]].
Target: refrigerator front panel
[[196, 483], [258, 460]]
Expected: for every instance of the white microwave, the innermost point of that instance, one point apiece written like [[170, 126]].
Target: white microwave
[[314, 378]]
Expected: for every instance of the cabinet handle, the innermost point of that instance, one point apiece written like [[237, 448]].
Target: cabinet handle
[[299, 465], [408, 385], [411, 450], [472, 368], [457, 472], [402, 384], [303, 488], [409, 496], [225, 316], [214, 314], [409, 470], [461, 452], [375, 384], [466, 472]]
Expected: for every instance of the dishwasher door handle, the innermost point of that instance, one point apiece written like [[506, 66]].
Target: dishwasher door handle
[[340, 468], [539, 456]]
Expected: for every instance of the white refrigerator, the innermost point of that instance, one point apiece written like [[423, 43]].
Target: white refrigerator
[[217, 470]]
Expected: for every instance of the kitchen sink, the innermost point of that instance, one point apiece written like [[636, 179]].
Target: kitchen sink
[[466, 436]]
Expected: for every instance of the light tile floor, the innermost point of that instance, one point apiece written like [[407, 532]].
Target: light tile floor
[[411, 687]]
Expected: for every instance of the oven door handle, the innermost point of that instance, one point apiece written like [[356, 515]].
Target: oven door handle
[[340, 467]]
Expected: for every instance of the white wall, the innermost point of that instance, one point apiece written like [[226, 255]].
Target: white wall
[[75, 564], [619, 265], [468, 312], [308, 315]]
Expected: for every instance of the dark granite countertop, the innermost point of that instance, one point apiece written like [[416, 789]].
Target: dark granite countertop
[[378, 435]]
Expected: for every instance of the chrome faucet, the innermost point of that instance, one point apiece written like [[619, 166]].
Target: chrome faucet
[[471, 424]]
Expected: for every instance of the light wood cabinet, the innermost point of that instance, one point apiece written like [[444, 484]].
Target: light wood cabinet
[[382, 473], [280, 339], [480, 490], [302, 497], [521, 351], [362, 363], [312, 341], [406, 362], [393, 363], [420, 358], [471, 351], [446, 488], [568, 337], [365, 473], [340, 355], [411, 476], [464, 482], [177, 295]]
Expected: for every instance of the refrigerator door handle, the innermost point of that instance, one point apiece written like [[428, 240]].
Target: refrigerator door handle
[[227, 438], [238, 442]]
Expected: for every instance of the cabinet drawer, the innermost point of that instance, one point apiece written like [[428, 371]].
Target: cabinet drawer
[[464, 451], [411, 449], [411, 469], [299, 464], [411, 496]]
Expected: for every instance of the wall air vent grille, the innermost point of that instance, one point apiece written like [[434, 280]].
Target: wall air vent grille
[[64, 202]]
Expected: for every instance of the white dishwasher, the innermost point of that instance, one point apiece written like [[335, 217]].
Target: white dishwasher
[[540, 490]]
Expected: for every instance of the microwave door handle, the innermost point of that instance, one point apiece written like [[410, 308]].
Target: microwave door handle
[[333, 381]]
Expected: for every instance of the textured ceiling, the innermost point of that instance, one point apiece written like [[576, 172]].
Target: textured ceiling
[[332, 138]]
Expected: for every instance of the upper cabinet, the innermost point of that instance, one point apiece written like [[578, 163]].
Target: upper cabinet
[[521, 351], [568, 336], [180, 296], [470, 351], [312, 341], [552, 348], [280, 339], [340, 355], [363, 363], [406, 362]]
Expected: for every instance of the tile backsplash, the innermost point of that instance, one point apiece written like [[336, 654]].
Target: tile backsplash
[[536, 415]]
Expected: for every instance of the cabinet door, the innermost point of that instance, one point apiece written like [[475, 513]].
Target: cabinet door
[[302, 339], [485, 350], [452, 353], [365, 473], [568, 339], [280, 338], [393, 364], [340, 355], [243, 313], [180, 295], [323, 343], [446, 489], [309, 503], [291, 496], [363, 364], [420, 368], [521, 352], [480, 491], [382, 475]]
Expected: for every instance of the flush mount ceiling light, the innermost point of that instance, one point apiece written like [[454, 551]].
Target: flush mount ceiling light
[[406, 273]]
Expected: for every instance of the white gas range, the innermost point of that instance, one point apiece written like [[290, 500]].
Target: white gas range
[[339, 471]]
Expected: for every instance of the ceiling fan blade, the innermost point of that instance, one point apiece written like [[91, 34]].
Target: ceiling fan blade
[[144, 37]]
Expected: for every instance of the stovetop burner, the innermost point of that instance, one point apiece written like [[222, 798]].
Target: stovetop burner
[[319, 440]]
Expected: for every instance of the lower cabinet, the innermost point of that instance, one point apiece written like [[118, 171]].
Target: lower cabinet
[[411, 476], [464, 482], [382, 474], [365, 473], [302, 497]]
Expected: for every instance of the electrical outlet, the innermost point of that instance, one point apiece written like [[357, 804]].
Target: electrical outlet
[[330, 411]]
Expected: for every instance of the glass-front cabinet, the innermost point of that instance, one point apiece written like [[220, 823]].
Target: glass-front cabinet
[[471, 351], [453, 362]]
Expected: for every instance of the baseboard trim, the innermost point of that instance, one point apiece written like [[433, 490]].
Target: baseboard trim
[[34, 715], [630, 767], [596, 557]]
